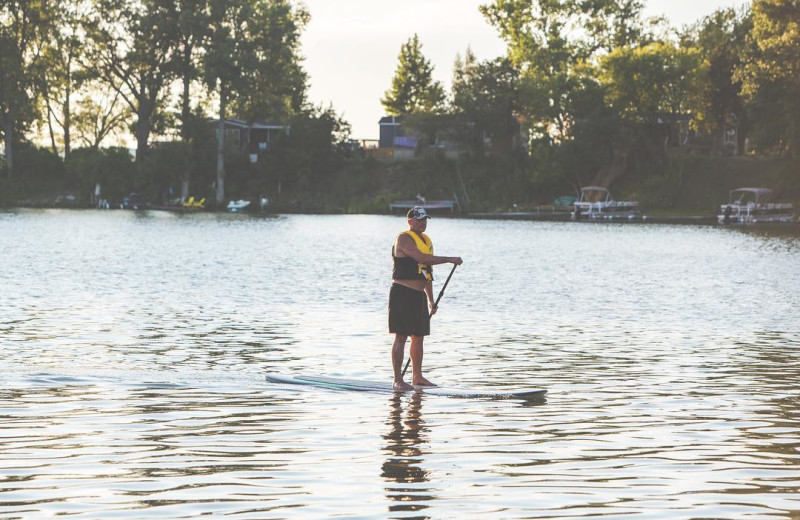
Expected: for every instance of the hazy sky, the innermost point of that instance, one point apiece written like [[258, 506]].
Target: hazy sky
[[351, 46]]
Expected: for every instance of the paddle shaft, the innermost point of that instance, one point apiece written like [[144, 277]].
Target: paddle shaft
[[435, 305]]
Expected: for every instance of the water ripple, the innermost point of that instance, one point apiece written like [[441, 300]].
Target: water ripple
[[133, 348]]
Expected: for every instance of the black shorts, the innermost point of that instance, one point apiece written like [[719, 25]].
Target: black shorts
[[408, 311]]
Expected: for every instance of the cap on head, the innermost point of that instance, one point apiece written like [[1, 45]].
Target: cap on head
[[418, 213]]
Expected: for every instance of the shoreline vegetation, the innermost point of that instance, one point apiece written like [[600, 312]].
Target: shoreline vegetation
[[214, 95], [681, 188]]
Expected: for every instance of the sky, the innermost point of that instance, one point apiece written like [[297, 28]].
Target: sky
[[351, 46]]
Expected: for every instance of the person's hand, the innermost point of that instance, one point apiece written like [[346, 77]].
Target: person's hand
[[432, 307], [457, 260]]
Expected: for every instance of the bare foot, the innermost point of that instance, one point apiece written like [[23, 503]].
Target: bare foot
[[421, 381], [401, 386]]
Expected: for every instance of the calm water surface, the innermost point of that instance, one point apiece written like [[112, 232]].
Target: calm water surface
[[133, 348]]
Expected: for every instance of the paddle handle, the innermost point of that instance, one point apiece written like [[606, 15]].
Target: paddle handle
[[435, 305]]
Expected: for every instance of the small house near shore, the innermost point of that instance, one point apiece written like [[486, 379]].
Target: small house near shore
[[253, 137], [390, 128], [393, 141], [450, 138], [397, 143]]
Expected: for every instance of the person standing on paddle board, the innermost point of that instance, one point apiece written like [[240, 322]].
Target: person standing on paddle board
[[411, 302]]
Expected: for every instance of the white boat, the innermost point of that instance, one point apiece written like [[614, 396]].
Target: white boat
[[596, 203], [237, 205], [753, 206]]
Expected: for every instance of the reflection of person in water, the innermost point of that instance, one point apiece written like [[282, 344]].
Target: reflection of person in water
[[404, 454]]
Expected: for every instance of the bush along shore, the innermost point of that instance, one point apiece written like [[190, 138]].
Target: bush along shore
[[678, 185]]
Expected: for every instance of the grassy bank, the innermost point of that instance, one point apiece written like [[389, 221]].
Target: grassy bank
[[674, 185], [682, 185], [697, 185]]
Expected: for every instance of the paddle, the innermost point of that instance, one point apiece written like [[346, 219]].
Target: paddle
[[435, 305]]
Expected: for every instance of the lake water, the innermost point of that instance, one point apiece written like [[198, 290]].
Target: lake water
[[133, 349]]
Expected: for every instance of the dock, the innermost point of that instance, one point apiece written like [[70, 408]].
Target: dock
[[538, 213], [566, 216], [430, 206]]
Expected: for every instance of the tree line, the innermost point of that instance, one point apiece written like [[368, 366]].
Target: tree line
[[588, 90], [596, 90], [84, 71]]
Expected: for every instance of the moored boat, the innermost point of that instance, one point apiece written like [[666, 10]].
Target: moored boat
[[237, 205], [753, 206], [596, 203]]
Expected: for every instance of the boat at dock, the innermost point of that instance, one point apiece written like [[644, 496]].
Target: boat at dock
[[237, 205], [753, 206], [596, 203]]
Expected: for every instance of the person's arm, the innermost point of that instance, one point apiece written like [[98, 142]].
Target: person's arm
[[406, 246], [431, 301]]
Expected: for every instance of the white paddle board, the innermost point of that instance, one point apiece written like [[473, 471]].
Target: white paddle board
[[336, 383]]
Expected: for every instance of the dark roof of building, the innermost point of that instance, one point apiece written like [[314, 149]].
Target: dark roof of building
[[391, 120], [256, 125]]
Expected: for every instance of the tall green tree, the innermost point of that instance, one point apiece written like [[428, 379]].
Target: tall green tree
[[61, 70], [413, 88], [276, 83], [771, 73], [580, 27], [193, 33], [549, 41], [722, 39], [253, 63], [557, 45], [134, 50], [486, 96], [23, 26], [99, 113], [311, 151], [653, 85]]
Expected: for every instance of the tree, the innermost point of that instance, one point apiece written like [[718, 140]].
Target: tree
[[61, 74], [311, 151], [134, 47], [193, 32], [771, 73], [99, 114], [550, 41], [721, 39], [581, 27], [653, 83], [413, 88], [486, 96], [556, 47], [253, 63], [276, 83], [23, 24]]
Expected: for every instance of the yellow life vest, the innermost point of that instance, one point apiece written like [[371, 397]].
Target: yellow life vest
[[406, 268], [424, 243]]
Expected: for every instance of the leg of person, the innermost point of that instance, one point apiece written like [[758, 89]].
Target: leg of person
[[416, 362], [398, 353]]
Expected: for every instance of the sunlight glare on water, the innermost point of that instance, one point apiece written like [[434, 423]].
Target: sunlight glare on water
[[133, 350]]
